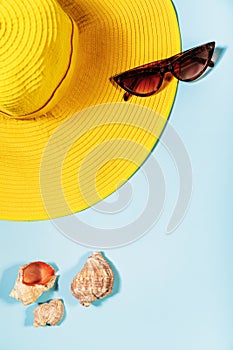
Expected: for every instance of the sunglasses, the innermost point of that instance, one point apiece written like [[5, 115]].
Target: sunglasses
[[146, 80]]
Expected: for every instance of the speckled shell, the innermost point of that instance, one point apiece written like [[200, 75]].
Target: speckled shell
[[29, 286], [50, 313], [94, 281]]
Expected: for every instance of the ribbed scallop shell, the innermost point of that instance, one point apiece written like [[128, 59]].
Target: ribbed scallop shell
[[94, 281], [49, 313], [33, 279]]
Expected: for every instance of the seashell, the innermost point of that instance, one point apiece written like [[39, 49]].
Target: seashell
[[94, 281], [33, 279], [49, 313]]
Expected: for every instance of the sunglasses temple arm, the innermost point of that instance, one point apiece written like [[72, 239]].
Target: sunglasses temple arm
[[201, 60], [127, 96], [211, 64]]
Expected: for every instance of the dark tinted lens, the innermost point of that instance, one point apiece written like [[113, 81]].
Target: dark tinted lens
[[142, 86], [192, 65]]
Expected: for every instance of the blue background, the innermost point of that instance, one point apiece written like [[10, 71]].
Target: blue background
[[172, 291]]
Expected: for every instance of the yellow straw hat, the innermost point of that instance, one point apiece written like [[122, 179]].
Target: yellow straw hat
[[67, 138]]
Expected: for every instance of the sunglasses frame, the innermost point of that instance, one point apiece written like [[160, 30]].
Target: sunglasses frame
[[162, 67]]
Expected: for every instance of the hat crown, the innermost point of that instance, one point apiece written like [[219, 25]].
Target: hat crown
[[35, 56]]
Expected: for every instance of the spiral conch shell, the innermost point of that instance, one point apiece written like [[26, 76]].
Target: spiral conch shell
[[94, 281], [33, 279], [49, 313]]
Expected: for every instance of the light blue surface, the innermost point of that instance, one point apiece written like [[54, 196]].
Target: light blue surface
[[173, 291]]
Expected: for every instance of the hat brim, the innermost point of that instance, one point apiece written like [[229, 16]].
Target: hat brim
[[91, 141]]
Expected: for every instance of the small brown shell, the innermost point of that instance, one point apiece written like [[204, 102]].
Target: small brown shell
[[48, 313], [94, 281], [33, 279]]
